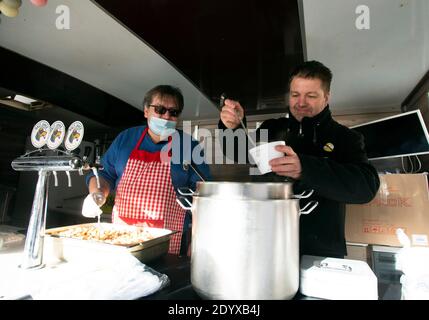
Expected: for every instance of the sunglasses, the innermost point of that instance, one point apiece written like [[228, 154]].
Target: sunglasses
[[162, 110]]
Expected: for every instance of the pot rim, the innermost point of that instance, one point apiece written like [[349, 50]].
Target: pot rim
[[246, 183], [245, 190], [246, 199]]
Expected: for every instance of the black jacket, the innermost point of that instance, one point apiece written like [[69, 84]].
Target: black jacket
[[334, 165]]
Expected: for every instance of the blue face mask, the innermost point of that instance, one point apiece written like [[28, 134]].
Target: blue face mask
[[161, 127]]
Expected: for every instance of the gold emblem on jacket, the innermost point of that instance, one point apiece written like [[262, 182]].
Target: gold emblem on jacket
[[329, 147]]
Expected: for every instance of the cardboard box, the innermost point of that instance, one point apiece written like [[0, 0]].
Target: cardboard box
[[359, 251], [401, 202]]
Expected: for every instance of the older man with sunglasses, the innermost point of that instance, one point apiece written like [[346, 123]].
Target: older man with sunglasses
[[138, 167]]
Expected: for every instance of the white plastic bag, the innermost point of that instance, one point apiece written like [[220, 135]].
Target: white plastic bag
[[122, 278], [414, 263]]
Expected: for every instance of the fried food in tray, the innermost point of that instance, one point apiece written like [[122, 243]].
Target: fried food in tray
[[107, 233]]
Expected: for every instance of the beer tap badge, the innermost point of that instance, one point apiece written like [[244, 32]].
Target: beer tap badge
[[40, 133], [74, 136], [56, 137]]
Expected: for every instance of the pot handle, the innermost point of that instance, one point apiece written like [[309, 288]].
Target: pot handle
[[313, 205], [333, 265], [304, 195], [179, 201], [188, 191]]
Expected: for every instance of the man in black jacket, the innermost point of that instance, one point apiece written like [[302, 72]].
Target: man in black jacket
[[320, 155]]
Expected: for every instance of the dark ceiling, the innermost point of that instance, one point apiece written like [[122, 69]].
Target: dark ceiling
[[22, 75], [245, 48]]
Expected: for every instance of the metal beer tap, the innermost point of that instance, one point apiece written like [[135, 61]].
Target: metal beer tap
[[45, 165]]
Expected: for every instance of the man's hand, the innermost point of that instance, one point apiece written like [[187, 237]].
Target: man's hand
[[231, 114], [289, 165]]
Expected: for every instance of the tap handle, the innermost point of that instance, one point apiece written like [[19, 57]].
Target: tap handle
[[55, 178], [97, 151], [94, 170], [69, 179]]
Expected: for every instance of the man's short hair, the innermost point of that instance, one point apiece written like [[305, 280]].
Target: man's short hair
[[313, 70], [164, 91]]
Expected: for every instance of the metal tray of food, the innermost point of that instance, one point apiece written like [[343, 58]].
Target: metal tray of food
[[97, 240]]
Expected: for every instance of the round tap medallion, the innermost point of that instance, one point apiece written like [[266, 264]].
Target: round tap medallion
[[74, 136], [40, 133], [56, 137]]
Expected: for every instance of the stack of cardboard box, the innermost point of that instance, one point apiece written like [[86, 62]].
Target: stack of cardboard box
[[401, 202]]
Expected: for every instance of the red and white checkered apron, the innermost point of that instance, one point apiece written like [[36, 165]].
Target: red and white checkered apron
[[145, 194]]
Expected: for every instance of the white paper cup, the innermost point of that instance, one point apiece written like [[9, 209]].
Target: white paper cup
[[263, 153]]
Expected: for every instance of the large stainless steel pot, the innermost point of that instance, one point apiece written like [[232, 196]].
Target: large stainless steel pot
[[245, 240]]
